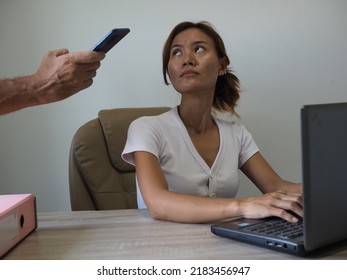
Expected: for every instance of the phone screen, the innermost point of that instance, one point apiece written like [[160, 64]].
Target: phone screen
[[110, 40]]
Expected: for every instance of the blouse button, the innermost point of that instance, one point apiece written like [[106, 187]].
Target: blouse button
[[213, 195]]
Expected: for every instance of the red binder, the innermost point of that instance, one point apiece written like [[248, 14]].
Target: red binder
[[18, 218]]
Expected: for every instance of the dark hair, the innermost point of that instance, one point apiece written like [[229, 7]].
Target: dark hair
[[227, 91]]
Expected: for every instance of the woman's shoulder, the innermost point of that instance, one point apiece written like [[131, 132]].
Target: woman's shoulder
[[154, 119], [233, 126], [231, 122]]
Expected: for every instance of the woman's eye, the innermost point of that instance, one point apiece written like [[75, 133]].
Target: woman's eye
[[176, 52], [199, 49]]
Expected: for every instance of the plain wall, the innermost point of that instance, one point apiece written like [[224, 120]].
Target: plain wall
[[286, 54]]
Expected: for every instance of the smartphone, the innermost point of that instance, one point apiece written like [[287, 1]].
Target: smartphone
[[111, 39]]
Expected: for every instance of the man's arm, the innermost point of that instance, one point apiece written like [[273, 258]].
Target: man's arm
[[60, 75]]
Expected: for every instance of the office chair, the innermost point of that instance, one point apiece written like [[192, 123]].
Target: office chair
[[99, 179]]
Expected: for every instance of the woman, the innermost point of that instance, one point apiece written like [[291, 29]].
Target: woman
[[187, 159]]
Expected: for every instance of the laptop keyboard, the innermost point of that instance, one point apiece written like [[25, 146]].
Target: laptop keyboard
[[278, 228]]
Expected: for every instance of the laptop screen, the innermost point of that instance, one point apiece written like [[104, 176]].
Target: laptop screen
[[324, 153]]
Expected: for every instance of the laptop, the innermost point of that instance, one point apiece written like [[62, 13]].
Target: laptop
[[324, 171]]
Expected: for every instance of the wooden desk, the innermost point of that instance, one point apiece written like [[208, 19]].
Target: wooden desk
[[133, 234]]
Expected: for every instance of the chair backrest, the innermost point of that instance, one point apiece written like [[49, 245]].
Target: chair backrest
[[99, 179]]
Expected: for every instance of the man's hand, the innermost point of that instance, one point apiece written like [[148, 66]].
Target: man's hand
[[62, 74]]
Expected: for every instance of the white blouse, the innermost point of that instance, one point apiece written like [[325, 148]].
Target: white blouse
[[166, 137]]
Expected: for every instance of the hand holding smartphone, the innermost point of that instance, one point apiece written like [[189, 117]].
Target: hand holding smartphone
[[110, 40]]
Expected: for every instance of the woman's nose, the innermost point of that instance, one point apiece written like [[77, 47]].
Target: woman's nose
[[188, 60]]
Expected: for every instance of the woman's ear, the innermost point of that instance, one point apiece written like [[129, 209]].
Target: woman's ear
[[223, 66]]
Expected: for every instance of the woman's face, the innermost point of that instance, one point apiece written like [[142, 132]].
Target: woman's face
[[194, 65]]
